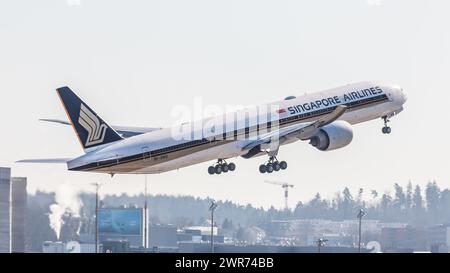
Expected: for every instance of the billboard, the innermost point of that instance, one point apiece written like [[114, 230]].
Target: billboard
[[123, 222]]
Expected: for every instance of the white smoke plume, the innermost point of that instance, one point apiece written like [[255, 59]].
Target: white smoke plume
[[67, 202]]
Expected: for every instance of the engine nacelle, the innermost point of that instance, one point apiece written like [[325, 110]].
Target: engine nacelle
[[333, 136]]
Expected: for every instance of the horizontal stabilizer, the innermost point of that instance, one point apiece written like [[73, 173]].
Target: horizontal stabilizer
[[55, 121], [124, 131], [45, 160]]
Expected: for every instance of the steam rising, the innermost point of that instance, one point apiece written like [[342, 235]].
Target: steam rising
[[67, 203]]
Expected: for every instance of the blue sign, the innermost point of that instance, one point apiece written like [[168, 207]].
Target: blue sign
[[120, 221]]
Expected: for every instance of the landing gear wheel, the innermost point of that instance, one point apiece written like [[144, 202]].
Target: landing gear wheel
[[276, 166], [225, 168], [262, 168], [221, 166], [273, 165], [386, 129]]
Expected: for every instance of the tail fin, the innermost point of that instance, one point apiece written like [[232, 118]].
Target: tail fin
[[91, 130]]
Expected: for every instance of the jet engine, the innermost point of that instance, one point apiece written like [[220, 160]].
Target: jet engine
[[333, 136]]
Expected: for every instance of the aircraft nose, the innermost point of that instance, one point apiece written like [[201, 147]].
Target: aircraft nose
[[402, 94]]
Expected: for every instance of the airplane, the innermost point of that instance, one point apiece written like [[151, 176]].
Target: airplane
[[325, 119]]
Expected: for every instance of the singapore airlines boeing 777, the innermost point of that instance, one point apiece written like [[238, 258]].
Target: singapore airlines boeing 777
[[325, 119]]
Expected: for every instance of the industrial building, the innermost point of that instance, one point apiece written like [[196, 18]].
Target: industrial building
[[403, 239], [5, 210], [18, 213], [163, 236], [439, 238], [13, 212]]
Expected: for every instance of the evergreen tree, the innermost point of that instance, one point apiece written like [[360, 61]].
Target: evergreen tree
[[298, 211], [226, 224], [432, 194], [374, 194], [359, 200], [240, 233], [347, 204], [399, 204], [409, 196], [417, 207], [386, 204], [445, 206]]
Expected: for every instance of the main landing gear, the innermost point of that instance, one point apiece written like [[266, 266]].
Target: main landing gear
[[386, 129], [221, 167], [272, 165]]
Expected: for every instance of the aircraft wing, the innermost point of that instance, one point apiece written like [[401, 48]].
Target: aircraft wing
[[124, 131], [302, 131]]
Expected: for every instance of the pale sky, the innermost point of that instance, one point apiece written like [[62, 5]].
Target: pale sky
[[133, 61]]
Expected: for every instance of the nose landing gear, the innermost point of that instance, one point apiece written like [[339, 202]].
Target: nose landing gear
[[221, 167], [386, 129], [272, 165]]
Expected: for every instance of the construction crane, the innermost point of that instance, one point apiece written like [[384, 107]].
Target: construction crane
[[285, 186]]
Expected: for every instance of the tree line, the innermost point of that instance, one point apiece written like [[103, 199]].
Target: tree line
[[409, 204]]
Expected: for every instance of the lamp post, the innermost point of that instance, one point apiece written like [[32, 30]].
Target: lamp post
[[360, 215], [320, 243], [212, 208], [145, 216]]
